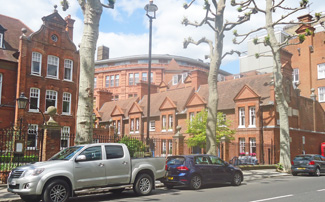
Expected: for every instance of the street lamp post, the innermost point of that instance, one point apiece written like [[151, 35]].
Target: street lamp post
[[151, 9]]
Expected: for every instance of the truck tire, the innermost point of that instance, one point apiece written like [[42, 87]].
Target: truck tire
[[143, 185], [31, 198], [57, 191]]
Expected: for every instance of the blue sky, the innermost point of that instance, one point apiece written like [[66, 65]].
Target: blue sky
[[125, 29]]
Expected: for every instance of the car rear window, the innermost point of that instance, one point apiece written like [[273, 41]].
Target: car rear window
[[175, 160], [303, 158]]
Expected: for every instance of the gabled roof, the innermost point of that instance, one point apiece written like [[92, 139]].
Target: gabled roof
[[56, 18], [167, 104], [135, 108], [117, 111], [228, 90], [195, 100], [245, 93], [11, 37], [108, 107]]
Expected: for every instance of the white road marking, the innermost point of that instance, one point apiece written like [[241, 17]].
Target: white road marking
[[321, 190], [268, 199]]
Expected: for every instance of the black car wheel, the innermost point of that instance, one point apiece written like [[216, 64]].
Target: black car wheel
[[57, 191], [317, 172], [143, 185], [236, 179], [196, 182]]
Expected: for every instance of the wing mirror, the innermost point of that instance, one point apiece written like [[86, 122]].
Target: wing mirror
[[80, 158]]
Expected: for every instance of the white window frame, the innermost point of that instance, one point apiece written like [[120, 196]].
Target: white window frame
[[242, 145], [164, 148], [241, 117], [49, 95], [252, 117], [36, 57], [1, 81], [175, 79], [144, 76], [136, 78], [164, 124], [184, 75], [321, 94], [34, 93], [65, 135], [1, 40], [137, 125], [117, 80], [118, 126], [55, 61], [107, 81], [295, 75], [321, 71], [152, 125], [32, 128], [66, 97], [95, 82], [252, 144], [170, 122], [68, 65], [132, 126], [192, 115], [112, 81], [170, 147], [131, 78]]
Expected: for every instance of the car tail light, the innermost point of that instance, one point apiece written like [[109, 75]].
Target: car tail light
[[183, 168], [312, 163], [292, 163], [166, 167]]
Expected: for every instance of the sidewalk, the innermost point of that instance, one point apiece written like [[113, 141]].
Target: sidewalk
[[249, 175]]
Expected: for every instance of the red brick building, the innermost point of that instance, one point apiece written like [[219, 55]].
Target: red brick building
[[127, 77], [247, 102], [48, 74]]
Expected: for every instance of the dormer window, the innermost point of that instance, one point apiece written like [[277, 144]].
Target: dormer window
[[2, 36]]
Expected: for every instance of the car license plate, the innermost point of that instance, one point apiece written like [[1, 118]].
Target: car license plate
[[301, 168], [170, 178]]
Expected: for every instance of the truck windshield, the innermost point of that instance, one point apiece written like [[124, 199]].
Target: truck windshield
[[66, 154]]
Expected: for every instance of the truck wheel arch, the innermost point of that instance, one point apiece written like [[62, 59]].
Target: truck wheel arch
[[149, 172], [66, 179]]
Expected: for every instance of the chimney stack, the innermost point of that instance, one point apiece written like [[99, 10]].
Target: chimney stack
[[102, 53], [69, 27]]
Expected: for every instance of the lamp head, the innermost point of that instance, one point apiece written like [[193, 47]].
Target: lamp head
[[151, 9], [22, 101]]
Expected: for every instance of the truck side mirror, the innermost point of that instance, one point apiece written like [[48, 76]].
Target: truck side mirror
[[80, 158]]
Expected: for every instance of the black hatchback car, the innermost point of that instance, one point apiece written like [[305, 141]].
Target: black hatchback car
[[313, 164], [196, 170]]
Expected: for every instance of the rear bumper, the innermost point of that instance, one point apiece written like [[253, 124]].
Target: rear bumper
[[175, 182], [303, 170]]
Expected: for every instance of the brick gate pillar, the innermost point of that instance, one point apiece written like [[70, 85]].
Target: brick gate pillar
[[178, 138], [51, 139]]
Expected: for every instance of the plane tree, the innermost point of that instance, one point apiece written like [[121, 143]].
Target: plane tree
[[214, 19], [92, 11], [281, 85]]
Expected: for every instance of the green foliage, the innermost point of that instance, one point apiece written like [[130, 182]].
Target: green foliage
[[240, 9], [302, 38], [206, 5], [303, 3], [235, 32], [255, 41], [197, 129], [317, 16], [234, 40], [134, 145], [65, 5], [308, 32], [267, 40], [233, 2], [257, 55], [279, 167]]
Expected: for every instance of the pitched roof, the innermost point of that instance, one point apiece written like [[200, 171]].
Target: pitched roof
[[108, 107], [178, 96], [11, 37], [228, 90]]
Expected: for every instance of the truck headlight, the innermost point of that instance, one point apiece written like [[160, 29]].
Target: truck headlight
[[33, 172]]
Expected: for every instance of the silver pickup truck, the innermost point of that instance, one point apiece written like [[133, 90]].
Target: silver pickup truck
[[85, 166]]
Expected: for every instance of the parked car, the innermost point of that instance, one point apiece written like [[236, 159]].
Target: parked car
[[85, 166], [313, 164], [196, 170]]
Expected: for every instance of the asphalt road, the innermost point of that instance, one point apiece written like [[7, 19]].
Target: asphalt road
[[277, 189]]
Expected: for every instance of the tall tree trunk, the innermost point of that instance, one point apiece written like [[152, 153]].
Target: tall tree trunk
[[92, 10], [280, 96]]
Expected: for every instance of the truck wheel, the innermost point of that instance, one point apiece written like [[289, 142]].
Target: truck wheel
[[31, 198], [57, 191], [143, 185], [196, 182]]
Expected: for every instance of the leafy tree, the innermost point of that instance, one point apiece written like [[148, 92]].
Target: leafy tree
[[282, 94], [134, 145], [197, 129], [92, 11], [214, 18]]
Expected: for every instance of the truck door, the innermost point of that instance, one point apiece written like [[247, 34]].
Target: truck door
[[117, 165], [91, 171]]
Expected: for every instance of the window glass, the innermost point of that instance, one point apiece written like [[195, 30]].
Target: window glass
[[242, 146], [175, 161], [1, 40], [68, 65], [52, 66], [51, 97], [95, 82], [130, 79], [36, 63], [114, 151], [164, 122], [295, 75], [242, 117], [117, 80], [1, 79], [32, 136], [34, 99], [216, 161], [65, 136], [144, 76], [92, 153], [152, 126], [107, 81], [202, 160], [136, 78], [321, 94], [321, 71], [252, 146], [66, 103], [252, 117], [112, 81]]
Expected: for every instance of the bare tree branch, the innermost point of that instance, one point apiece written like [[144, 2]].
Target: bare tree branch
[[230, 25], [231, 53], [247, 34], [186, 6]]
